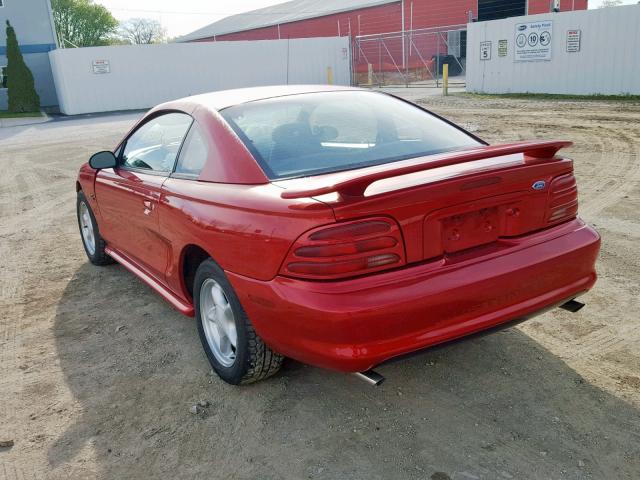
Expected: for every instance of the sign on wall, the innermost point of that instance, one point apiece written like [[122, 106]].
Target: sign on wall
[[533, 41], [573, 40], [101, 66], [485, 50], [502, 48]]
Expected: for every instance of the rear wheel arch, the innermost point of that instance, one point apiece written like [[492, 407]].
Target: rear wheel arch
[[191, 258], [78, 187]]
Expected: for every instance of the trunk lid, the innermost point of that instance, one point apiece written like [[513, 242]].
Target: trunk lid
[[454, 202]]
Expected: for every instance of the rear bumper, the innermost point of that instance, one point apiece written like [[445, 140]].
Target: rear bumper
[[355, 324]]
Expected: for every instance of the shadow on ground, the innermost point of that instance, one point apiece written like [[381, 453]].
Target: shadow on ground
[[499, 406]]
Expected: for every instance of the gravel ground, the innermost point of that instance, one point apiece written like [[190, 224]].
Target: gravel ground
[[98, 374]]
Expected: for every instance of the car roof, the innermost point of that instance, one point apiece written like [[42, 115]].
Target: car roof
[[227, 98]]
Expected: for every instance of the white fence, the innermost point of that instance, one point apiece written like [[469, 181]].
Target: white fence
[[583, 52], [101, 79]]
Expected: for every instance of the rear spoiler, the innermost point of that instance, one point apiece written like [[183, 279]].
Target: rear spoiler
[[355, 187]]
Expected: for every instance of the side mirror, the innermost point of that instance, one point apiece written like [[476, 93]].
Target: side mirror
[[104, 159]]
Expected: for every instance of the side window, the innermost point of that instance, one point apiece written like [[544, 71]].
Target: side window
[[155, 144], [194, 152]]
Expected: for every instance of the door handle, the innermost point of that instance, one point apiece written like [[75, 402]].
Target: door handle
[[148, 206]]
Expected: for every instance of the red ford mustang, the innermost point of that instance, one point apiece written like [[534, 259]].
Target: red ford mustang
[[337, 226]]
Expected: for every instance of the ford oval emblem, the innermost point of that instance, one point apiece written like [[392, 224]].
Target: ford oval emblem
[[539, 185], [522, 27]]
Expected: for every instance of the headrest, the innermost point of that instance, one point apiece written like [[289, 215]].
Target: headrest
[[292, 133]]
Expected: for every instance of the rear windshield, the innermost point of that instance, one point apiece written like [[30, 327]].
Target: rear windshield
[[314, 133]]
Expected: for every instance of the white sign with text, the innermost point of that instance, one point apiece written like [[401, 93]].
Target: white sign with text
[[573, 40], [101, 67], [533, 41], [485, 50]]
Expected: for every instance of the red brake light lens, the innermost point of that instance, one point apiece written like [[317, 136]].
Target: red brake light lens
[[338, 249], [352, 230], [563, 199], [344, 250]]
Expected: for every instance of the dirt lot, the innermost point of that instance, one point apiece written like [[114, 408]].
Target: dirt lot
[[97, 373]]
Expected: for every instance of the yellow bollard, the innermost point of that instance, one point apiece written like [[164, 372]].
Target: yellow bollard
[[445, 79], [329, 76]]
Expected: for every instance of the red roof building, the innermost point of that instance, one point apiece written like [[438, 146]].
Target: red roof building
[[322, 18], [379, 29]]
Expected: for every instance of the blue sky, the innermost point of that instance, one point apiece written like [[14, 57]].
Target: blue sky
[[184, 16]]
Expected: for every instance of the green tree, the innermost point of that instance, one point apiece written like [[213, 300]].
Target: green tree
[[82, 23], [21, 89]]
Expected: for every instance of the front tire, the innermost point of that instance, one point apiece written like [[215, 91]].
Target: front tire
[[234, 349], [92, 242]]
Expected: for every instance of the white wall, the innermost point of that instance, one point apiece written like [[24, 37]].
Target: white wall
[[608, 62], [145, 75]]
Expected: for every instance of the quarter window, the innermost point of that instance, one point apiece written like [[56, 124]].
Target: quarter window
[[154, 146], [194, 152]]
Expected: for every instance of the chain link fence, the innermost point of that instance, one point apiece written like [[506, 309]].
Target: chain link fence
[[413, 57]]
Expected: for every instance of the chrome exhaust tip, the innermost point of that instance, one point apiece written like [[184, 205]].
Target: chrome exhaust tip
[[572, 306], [371, 377]]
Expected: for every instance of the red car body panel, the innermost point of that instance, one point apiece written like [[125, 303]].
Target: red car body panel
[[480, 246], [129, 216], [246, 229]]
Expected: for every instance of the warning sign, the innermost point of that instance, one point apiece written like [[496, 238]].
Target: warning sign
[[533, 41], [573, 40], [101, 66], [485, 50]]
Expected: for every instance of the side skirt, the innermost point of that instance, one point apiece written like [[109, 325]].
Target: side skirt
[[168, 295]]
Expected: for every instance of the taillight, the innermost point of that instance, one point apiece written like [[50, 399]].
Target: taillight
[[346, 250], [563, 199]]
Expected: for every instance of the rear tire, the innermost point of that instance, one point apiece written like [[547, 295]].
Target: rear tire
[[234, 349], [92, 242]]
